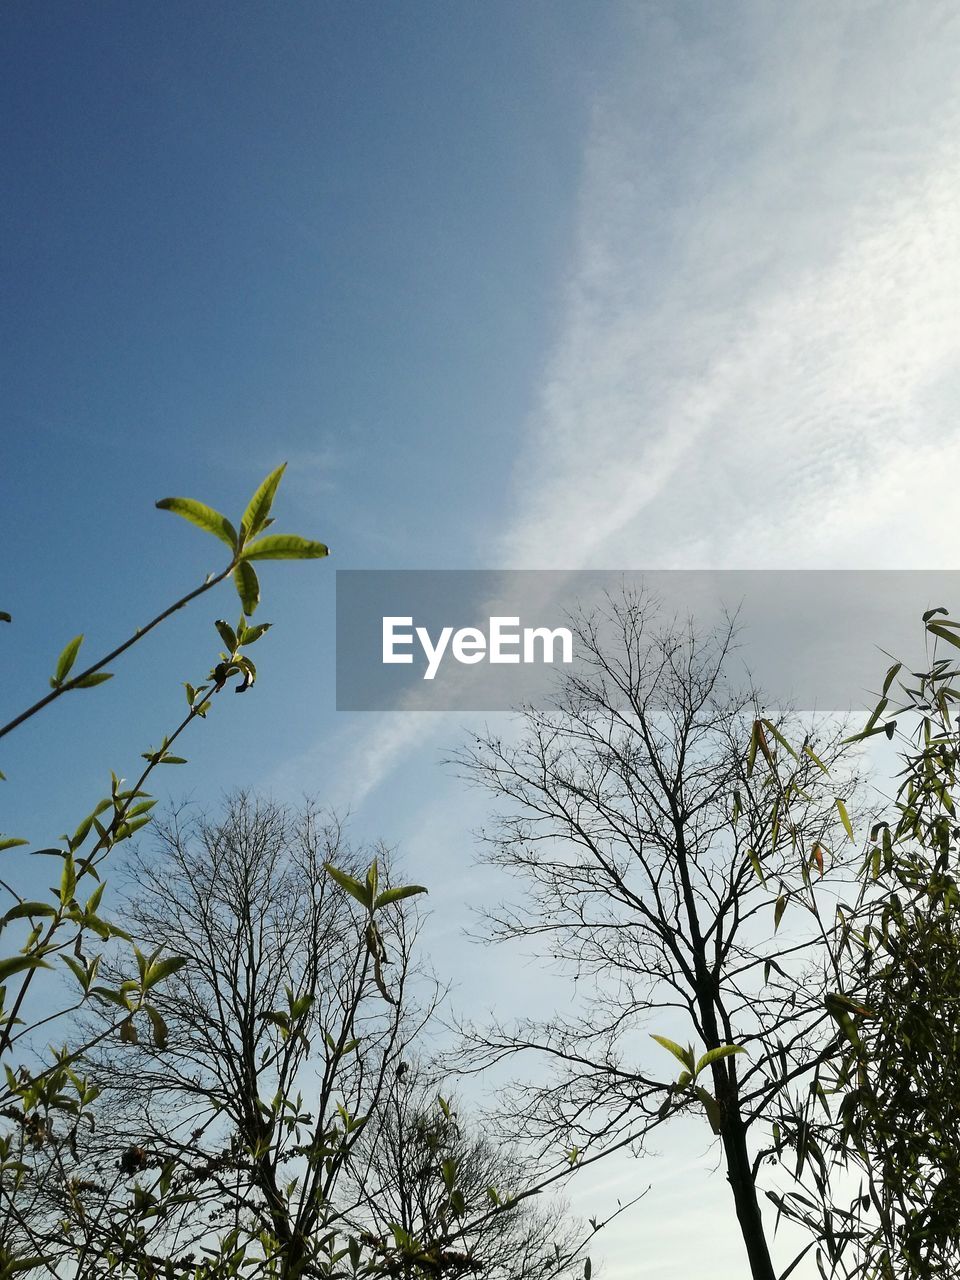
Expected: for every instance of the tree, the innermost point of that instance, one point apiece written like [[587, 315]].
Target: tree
[[290, 937], [883, 1119], [660, 862], [425, 1172], [276, 1089], [275, 1042], [45, 1099]]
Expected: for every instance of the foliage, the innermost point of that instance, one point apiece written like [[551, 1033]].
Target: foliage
[[892, 1077], [279, 1036], [45, 1098], [277, 1098]]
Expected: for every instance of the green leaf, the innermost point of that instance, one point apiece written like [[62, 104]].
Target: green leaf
[[844, 817], [26, 910], [685, 1056], [353, 887], [752, 749], [4, 616], [11, 842], [158, 1026], [248, 587], [760, 740], [203, 517], [68, 880], [714, 1055], [284, 546], [835, 1002], [808, 751], [778, 911], [888, 729], [711, 1108], [888, 679], [66, 660], [780, 738], [944, 633], [10, 1265], [16, 964], [226, 634], [95, 678], [250, 635], [161, 969], [755, 863], [258, 508], [78, 971], [396, 895]]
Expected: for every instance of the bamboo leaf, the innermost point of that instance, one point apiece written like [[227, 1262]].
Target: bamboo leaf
[[808, 751], [780, 738], [943, 633], [844, 817]]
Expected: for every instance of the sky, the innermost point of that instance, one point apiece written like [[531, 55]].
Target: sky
[[561, 284]]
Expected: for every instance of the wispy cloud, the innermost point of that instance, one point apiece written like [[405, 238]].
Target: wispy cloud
[[761, 371], [758, 353], [759, 350]]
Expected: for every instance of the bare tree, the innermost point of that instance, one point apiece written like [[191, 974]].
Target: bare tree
[[434, 1176], [270, 1047], [659, 864]]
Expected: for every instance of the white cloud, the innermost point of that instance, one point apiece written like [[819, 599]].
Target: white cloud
[[760, 372], [759, 353]]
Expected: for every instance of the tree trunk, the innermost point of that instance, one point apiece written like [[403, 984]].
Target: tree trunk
[[740, 1177]]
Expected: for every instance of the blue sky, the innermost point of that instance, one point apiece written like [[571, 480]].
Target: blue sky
[[559, 285]]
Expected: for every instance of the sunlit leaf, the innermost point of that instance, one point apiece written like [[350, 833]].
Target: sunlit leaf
[[258, 508], [396, 895], [353, 887], [684, 1056], [203, 517], [284, 546], [844, 817], [66, 660]]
